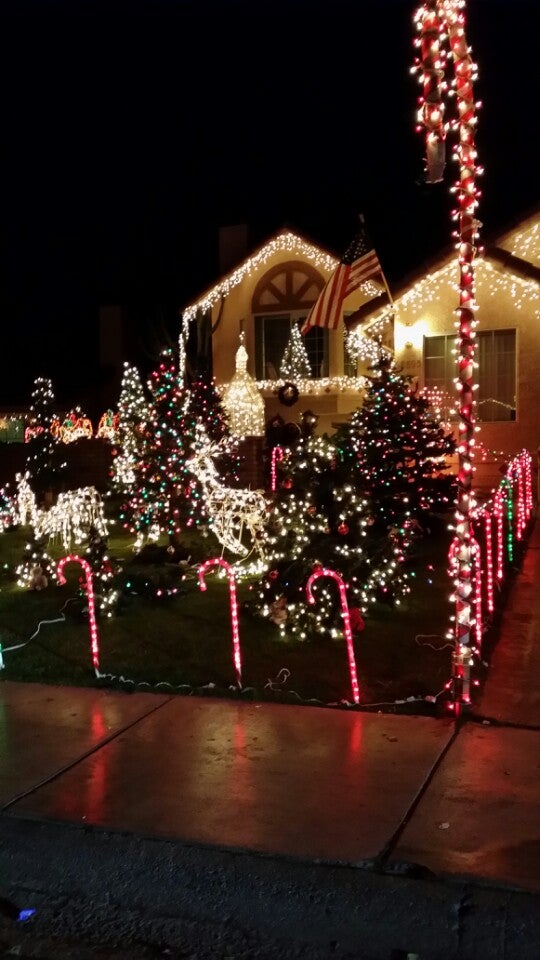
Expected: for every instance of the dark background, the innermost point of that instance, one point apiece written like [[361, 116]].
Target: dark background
[[132, 132]]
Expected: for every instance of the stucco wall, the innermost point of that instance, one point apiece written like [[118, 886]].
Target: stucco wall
[[505, 301]]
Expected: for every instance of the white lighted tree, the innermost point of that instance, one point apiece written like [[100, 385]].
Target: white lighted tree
[[133, 412], [295, 363]]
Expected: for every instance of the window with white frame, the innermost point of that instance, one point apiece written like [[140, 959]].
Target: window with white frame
[[496, 373], [271, 338]]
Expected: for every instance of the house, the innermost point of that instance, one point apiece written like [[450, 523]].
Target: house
[[263, 296], [508, 341]]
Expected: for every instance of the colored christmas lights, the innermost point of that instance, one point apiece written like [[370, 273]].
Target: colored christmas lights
[[168, 497], [108, 426], [437, 20], [76, 426]]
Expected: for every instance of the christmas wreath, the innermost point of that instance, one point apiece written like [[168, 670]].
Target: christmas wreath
[[288, 394]]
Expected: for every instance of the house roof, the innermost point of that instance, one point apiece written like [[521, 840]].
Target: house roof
[[293, 243], [516, 251]]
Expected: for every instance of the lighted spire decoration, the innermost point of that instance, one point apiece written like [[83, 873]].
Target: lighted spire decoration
[[436, 21], [242, 401]]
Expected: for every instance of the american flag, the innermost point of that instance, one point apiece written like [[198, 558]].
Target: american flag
[[358, 264]]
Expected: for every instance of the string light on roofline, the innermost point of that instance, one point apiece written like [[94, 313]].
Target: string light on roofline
[[289, 242]]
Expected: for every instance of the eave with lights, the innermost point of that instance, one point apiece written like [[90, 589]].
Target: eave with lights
[[508, 296]]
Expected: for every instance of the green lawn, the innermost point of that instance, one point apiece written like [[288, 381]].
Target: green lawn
[[185, 641]]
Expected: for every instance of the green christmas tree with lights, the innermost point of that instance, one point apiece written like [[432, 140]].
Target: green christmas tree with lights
[[105, 590], [133, 411], [295, 363], [319, 518], [399, 452], [43, 465], [168, 498]]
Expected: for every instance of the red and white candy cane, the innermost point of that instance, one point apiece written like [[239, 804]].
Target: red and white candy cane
[[89, 577], [219, 562], [324, 572]]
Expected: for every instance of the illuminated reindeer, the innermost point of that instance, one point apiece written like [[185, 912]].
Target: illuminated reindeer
[[232, 511], [72, 516]]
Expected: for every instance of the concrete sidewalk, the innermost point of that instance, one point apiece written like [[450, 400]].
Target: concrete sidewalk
[[382, 794]]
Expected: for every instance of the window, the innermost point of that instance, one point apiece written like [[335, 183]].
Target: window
[[496, 374], [271, 337]]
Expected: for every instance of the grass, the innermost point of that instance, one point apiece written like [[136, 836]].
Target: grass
[[184, 641]]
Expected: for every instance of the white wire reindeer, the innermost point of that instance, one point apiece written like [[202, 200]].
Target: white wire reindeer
[[72, 516], [232, 511]]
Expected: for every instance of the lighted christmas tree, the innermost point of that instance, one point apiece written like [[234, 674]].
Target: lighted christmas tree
[[399, 450], [97, 554], [318, 518], [42, 461], [295, 363], [36, 570], [133, 412], [168, 498], [9, 514]]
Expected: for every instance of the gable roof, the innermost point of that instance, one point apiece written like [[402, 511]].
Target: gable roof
[[516, 251], [285, 239]]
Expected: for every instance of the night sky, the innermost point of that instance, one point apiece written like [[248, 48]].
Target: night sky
[[132, 132]]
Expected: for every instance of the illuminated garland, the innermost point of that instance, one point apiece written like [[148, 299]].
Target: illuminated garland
[[433, 19], [317, 387]]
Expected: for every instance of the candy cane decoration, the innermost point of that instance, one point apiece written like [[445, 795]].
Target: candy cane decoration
[[277, 454], [218, 561], [324, 572], [479, 627], [489, 558], [94, 644], [434, 20]]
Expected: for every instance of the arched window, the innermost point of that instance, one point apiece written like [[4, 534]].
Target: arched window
[[282, 297]]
